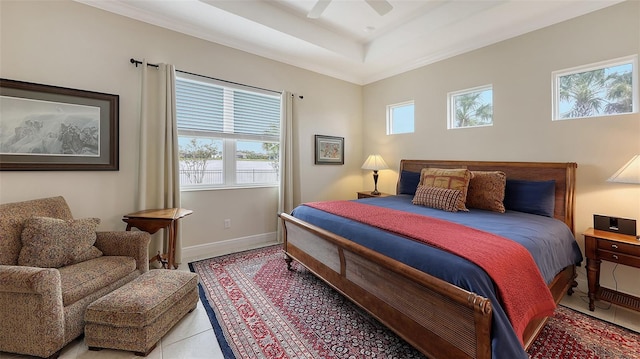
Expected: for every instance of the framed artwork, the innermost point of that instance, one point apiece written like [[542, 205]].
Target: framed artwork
[[329, 150], [49, 128]]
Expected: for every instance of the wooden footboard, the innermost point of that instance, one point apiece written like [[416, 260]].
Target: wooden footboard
[[437, 318]]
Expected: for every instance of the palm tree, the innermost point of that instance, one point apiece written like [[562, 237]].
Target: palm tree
[[619, 93], [584, 91], [471, 111]]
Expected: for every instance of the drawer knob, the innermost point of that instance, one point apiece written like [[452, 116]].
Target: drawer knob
[[615, 257], [614, 246]]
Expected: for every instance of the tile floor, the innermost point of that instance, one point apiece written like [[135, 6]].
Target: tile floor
[[611, 313], [193, 338]]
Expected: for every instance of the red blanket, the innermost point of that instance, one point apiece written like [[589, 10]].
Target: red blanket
[[518, 280]]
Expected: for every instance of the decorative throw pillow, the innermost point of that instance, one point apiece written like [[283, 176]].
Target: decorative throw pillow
[[535, 197], [437, 197], [54, 243], [486, 190], [457, 179], [408, 182]]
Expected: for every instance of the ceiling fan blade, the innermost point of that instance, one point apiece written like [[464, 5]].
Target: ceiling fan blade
[[318, 9], [380, 6]]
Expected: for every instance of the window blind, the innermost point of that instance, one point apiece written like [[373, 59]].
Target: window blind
[[204, 107]]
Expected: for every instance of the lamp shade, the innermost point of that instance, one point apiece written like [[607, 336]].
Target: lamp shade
[[629, 173], [374, 162]]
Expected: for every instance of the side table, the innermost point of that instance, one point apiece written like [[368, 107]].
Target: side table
[[151, 221], [368, 194], [612, 247]]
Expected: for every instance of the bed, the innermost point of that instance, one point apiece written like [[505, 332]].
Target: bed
[[441, 319]]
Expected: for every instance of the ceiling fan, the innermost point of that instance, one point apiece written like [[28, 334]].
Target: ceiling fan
[[380, 6]]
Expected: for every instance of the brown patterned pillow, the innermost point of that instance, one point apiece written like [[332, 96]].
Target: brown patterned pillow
[[457, 179], [486, 190], [54, 243], [436, 197]]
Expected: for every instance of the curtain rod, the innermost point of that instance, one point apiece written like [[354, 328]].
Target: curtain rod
[[138, 62]]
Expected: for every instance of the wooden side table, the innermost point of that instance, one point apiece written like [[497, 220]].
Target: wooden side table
[[367, 194], [151, 221], [612, 247]]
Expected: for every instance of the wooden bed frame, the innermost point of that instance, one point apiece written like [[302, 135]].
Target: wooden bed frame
[[438, 318]]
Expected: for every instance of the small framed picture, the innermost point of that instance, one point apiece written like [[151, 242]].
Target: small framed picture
[[329, 150]]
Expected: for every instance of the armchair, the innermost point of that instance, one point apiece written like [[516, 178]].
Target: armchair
[[42, 309]]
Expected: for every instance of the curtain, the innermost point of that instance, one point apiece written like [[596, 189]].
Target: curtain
[[285, 201], [158, 166]]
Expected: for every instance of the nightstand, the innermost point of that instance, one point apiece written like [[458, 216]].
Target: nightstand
[[612, 247], [367, 194]]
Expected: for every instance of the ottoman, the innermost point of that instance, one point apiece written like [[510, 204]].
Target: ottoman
[[135, 316]]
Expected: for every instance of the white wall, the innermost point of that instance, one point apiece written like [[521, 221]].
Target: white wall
[[520, 71], [73, 45]]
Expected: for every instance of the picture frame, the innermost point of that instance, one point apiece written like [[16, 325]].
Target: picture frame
[[329, 150], [50, 128]]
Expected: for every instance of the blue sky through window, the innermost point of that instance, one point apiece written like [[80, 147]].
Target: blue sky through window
[[402, 119], [248, 146]]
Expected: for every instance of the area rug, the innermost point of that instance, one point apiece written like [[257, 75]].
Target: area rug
[[259, 309]]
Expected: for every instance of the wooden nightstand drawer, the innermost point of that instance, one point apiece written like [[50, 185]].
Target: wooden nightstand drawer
[[619, 247], [367, 194], [618, 257]]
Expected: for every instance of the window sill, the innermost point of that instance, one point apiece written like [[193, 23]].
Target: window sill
[[219, 188]]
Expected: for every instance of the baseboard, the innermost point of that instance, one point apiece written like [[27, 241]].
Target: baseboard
[[203, 251]]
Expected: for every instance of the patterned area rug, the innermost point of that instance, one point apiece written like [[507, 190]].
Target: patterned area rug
[[259, 309]]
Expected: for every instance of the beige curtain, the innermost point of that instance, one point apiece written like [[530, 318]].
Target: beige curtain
[[158, 166], [285, 202]]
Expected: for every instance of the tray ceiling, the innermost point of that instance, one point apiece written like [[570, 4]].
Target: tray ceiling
[[349, 40]]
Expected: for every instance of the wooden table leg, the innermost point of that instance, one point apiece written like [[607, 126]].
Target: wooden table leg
[[593, 280], [173, 231]]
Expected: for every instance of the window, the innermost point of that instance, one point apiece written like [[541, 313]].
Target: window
[[605, 88], [470, 107], [400, 118], [228, 135]]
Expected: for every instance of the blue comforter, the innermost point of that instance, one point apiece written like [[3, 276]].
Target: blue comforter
[[550, 242]]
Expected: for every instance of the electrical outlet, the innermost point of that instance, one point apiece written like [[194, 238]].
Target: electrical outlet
[[227, 223]]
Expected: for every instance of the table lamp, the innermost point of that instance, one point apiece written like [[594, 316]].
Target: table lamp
[[375, 163], [629, 173]]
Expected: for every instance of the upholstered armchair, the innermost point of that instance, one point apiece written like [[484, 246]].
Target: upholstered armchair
[[43, 302]]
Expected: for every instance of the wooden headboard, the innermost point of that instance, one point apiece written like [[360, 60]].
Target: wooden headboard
[[563, 173]]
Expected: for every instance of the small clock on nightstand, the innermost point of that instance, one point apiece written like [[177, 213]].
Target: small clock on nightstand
[[368, 194]]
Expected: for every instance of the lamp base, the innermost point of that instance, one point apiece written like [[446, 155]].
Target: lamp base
[[375, 183]]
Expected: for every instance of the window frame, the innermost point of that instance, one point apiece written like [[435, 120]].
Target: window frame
[[229, 140], [555, 85], [451, 110], [389, 111]]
